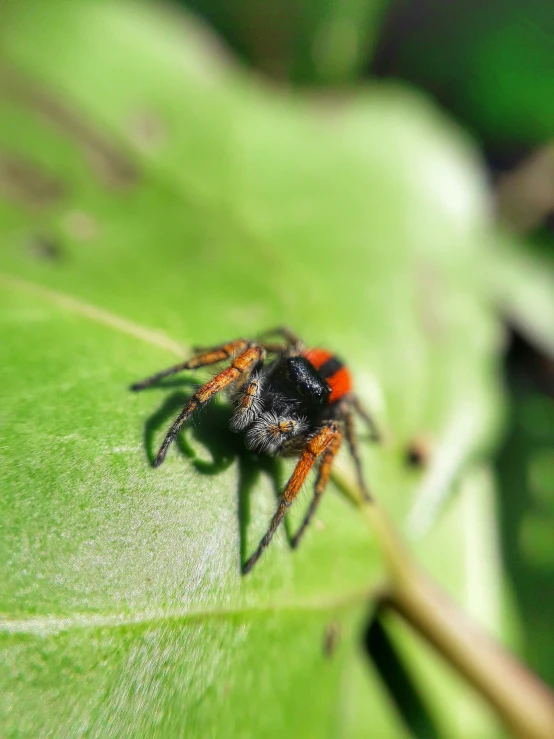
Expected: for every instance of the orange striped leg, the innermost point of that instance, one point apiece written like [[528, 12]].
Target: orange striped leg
[[211, 356], [312, 450], [241, 365], [352, 440], [320, 485]]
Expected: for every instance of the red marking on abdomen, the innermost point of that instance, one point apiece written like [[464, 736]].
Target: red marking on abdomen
[[341, 384], [333, 370], [318, 357]]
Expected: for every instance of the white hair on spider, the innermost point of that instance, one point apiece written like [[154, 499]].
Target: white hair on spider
[[248, 402], [271, 431]]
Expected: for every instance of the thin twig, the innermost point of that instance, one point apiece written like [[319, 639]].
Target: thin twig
[[522, 701]]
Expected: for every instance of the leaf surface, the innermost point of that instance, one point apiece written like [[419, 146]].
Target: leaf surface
[[152, 195]]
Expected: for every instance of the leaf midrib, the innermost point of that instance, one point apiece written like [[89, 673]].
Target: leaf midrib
[[93, 313], [47, 625]]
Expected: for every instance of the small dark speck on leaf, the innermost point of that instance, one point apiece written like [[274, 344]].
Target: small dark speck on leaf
[[419, 452], [44, 248]]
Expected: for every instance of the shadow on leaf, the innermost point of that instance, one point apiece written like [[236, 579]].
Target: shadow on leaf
[[397, 679], [210, 427]]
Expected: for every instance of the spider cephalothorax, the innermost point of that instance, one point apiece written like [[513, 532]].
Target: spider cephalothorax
[[287, 400]]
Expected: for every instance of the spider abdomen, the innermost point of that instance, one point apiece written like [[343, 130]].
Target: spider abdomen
[[333, 370]]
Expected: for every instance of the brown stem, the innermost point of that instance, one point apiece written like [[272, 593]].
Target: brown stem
[[521, 700]]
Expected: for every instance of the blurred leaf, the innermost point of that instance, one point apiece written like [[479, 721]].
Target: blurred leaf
[[149, 190], [304, 41], [525, 466], [521, 281], [470, 530], [491, 63]]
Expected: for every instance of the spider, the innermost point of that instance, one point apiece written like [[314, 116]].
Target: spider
[[288, 400]]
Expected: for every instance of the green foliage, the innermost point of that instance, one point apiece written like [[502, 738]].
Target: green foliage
[[148, 190], [304, 41], [491, 63], [525, 467]]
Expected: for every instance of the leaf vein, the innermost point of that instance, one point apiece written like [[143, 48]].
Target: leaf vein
[[93, 313], [49, 625]]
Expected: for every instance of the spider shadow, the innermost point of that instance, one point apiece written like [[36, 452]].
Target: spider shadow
[[209, 427]]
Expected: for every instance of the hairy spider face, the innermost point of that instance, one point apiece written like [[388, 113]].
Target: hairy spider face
[[287, 399], [280, 404]]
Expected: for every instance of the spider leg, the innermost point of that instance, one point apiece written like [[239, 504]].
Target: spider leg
[[320, 485], [291, 339], [203, 359], [352, 440], [366, 416], [247, 400], [241, 365], [274, 348], [271, 347], [315, 446]]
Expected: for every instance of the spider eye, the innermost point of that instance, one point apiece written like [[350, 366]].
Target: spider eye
[[307, 380]]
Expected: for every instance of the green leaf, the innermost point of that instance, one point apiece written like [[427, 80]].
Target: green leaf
[[152, 194], [521, 279]]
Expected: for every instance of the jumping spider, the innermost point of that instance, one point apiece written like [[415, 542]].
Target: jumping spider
[[288, 400]]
